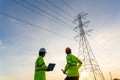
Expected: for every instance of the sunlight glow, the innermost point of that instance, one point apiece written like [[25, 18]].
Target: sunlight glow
[[84, 75]]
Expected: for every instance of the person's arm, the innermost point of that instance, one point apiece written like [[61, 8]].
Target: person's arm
[[43, 65], [79, 63], [68, 59], [40, 65]]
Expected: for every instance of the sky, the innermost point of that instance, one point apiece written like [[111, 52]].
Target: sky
[[37, 23]]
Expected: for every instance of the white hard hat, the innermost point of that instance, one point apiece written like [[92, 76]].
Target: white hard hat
[[42, 50]]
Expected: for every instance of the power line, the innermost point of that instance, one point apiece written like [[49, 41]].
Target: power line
[[100, 45], [52, 10], [48, 13], [33, 10], [100, 50], [63, 1], [59, 8], [33, 25]]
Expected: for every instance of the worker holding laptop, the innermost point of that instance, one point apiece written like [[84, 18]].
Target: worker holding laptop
[[40, 66]]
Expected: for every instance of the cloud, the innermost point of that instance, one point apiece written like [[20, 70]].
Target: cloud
[[1, 45], [0, 42], [13, 20]]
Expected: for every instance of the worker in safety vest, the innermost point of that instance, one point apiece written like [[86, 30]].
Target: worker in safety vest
[[72, 66], [40, 66]]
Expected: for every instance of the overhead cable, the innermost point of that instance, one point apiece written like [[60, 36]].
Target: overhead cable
[[63, 1], [33, 25], [48, 13], [33, 10], [49, 17], [101, 45], [59, 8], [52, 10]]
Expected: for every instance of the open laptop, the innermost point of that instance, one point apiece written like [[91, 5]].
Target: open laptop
[[51, 66]]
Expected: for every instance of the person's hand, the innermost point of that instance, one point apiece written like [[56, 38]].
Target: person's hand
[[47, 69], [64, 72]]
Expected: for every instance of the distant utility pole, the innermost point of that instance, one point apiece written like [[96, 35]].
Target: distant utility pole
[[90, 65], [110, 76]]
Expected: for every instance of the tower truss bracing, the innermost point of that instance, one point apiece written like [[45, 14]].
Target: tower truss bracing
[[90, 69]]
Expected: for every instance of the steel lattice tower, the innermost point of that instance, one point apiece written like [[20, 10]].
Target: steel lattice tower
[[90, 66]]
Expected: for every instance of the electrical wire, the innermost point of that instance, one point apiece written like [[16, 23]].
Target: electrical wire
[[33, 10], [33, 25], [59, 8], [48, 13], [101, 45], [64, 2], [99, 51], [52, 10]]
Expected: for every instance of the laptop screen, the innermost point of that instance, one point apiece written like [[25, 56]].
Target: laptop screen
[[51, 66]]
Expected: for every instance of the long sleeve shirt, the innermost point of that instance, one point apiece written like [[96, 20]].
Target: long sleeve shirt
[[72, 66], [40, 68]]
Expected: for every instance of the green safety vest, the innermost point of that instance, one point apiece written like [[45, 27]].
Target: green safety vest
[[40, 69], [72, 66]]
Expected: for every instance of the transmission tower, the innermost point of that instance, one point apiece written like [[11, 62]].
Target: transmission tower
[[90, 67]]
